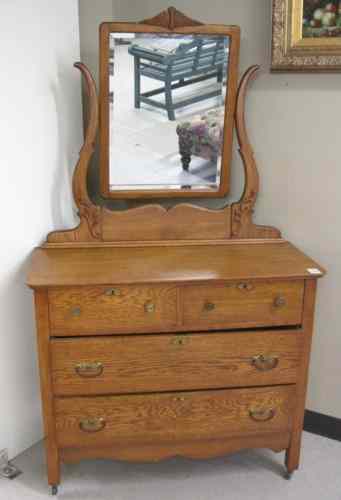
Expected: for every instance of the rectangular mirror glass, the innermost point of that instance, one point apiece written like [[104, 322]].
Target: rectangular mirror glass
[[167, 118]]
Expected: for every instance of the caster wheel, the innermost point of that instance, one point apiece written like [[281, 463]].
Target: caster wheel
[[54, 490], [288, 475]]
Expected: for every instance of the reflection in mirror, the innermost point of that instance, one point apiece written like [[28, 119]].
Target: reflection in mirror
[[167, 109]]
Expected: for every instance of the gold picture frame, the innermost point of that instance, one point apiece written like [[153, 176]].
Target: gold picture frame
[[295, 50]]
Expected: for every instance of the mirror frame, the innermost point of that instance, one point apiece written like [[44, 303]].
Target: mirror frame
[[172, 23]]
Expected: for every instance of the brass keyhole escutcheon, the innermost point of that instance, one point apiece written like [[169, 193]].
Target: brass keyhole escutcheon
[[245, 286], [149, 307], [113, 292], [179, 341], [180, 399], [265, 363], [280, 302], [209, 306], [76, 312]]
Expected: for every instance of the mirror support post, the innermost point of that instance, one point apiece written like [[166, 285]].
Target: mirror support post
[[89, 228], [242, 211]]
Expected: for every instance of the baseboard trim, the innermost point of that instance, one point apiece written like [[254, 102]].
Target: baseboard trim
[[323, 425]]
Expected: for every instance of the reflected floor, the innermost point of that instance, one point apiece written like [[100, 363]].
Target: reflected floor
[[145, 149]]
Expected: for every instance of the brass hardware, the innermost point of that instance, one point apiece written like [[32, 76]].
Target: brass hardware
[[180, 399], [245, 286], [265, 363], [179, 341], [209, 306], [113, 292], [92, 424], [89, 370], [76, 312], [280, 301], [262, 415], [149, 307]]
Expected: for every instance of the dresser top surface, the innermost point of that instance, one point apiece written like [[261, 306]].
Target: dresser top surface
[[174, 263]]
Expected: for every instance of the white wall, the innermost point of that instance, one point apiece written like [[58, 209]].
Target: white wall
[[40, 130], [294, 123]]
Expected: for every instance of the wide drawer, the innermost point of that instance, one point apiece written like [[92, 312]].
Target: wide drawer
[[165, 418], [246, 304], [101, 310], [155, 363]]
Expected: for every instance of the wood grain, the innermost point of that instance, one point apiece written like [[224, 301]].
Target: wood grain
[[97, 312], [42, 321], [155, 363], [239, 307], [293, 453], [169, 418], [174, 264], [193, 449], [177, 223]]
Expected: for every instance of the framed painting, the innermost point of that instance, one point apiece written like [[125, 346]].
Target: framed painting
[[306, 35]]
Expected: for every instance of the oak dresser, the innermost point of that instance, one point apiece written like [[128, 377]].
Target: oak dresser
[[165, 332]]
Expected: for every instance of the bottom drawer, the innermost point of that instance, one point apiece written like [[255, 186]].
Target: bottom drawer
[[164, 418]]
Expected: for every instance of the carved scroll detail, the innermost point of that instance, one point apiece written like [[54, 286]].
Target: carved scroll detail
[[242, 211], [89, 228], [171, 19]]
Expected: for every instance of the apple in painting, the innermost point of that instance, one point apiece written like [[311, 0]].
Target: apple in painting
[[329, 19], [330, 7], [318, 14]]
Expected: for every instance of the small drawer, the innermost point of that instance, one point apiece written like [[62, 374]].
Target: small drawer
[[117, 309], [152, 363], [170, 418], [243, 304]]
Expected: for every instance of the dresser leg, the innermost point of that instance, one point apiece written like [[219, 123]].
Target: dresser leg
[[288, 475], [54, 490], [292, 457]]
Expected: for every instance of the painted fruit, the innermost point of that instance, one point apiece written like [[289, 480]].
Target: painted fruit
[[329, 19], [318, 14], [315, 24], [330, 7]]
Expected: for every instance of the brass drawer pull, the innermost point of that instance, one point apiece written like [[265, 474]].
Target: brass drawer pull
[[149, 307], [245, 286], [209, 306], [92, 424], [76, 312], [280, 301], [262, 415], [113, 292], [89, 370], [265, 363]]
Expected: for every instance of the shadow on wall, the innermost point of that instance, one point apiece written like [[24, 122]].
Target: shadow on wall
[[19, 390], [62, 205]]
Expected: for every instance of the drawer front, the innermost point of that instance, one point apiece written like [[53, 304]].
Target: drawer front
[[168, 418], [246, 304], [102, 310], [169, 362]]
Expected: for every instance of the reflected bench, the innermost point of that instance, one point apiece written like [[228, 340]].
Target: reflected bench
[[178, 62]]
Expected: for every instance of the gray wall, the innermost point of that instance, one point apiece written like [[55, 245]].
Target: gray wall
[[294, 126]]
